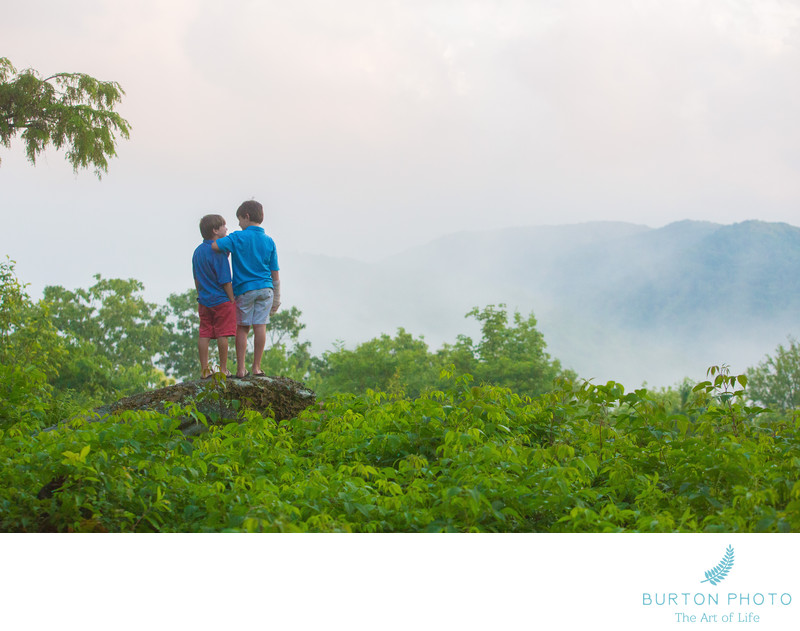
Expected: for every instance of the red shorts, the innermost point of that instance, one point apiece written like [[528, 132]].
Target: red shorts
[[219, 321]]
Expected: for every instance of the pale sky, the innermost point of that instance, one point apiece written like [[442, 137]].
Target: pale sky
[[366, 127]]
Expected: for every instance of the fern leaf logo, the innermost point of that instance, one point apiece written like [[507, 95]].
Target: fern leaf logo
[[718, 574]]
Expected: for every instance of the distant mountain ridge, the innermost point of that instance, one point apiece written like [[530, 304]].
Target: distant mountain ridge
[[614, 300]]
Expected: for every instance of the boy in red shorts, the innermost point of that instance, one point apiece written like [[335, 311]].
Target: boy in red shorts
[[217, 309]]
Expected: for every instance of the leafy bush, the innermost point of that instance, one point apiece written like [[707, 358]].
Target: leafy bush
[[31, 352], [582, 457]]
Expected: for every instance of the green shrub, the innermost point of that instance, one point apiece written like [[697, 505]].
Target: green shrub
[[580, 458]]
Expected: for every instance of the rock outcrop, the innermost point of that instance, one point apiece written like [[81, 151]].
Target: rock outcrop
[[221, 399]]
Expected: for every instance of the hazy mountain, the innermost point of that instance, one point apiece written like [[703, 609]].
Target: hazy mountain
[[614, 300]]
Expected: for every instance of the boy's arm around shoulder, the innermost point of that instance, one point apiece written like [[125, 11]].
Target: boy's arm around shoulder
[[227, 244]]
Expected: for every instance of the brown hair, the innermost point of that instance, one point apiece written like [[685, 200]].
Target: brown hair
[[209, 223], [252, 209]]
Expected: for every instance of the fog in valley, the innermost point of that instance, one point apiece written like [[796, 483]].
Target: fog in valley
[[615, 301]]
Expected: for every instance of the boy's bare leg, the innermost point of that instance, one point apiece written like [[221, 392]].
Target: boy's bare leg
[[241, 348], [259, 342], [222, 347], [202, 350]]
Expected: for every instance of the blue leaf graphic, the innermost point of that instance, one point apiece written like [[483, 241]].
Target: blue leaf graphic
[[718, 573]]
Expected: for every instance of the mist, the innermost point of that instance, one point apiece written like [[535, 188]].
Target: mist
[[615, 301]]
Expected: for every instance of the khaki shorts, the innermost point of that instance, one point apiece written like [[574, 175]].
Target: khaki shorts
[[252, 307]]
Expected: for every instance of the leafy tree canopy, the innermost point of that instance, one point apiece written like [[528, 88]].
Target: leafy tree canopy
[[113, 315], [775, 382], [395, 364], [511, 354], [67, 109], [179, 351], [114, 335]]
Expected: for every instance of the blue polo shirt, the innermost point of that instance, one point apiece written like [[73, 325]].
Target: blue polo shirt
[[211, 270], [253, 256]]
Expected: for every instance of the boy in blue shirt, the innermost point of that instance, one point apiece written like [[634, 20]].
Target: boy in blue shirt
[[212, 278], [256, 282]]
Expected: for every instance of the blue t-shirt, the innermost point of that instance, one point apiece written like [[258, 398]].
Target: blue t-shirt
[[253, 256], [211, 270]]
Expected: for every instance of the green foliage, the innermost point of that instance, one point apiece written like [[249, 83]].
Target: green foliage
[[113, 315], [43, 376], [27, 334], [509, 355], [434, 450], [580, 458], [285, 354], [399, 364], [179, 350], [113, 335], [30, 352], [775, 382], [71, 110]]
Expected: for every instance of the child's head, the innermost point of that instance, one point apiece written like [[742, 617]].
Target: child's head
[[209, 224], [251, 210]]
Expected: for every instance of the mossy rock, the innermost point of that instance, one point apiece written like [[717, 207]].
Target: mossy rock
[[222, 398]]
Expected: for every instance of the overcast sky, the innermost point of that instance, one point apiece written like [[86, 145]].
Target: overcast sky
[[366, 126]]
